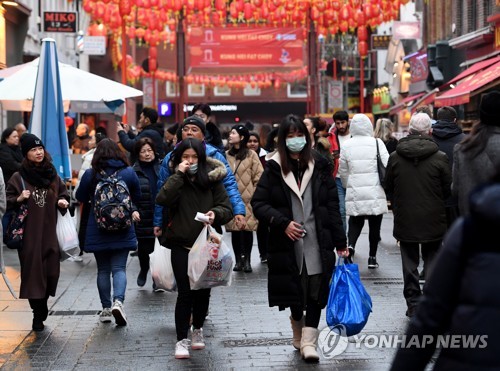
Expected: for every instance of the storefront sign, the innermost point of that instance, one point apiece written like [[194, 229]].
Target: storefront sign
[[335, 96], [418, 67], [406, 30], [94, 45], [59, 21], [381, 42], [246, 47]]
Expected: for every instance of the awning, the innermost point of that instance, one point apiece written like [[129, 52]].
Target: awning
[[469, 86], [473, 69], [426, 99], [404, 103]]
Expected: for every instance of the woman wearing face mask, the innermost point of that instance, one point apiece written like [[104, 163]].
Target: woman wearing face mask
[[247, 170], [297, 197], [194, 186], [147, 168]]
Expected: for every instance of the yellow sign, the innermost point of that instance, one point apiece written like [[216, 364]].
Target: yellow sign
[[497, 34]]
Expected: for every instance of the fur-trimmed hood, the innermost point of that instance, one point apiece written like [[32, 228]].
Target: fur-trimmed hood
[[216, 170]]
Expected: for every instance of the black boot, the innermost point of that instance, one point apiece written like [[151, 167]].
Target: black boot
[[40, 313], [238, 267], [247, 268]]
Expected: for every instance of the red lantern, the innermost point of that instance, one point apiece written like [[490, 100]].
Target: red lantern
[[362, 33], [336, 5], [346, 12], [125, 7], [88, 6], [248, 11], [220, 5], [360, 18], [363, 48]]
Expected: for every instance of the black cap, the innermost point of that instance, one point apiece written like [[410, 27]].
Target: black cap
[[29, 141]]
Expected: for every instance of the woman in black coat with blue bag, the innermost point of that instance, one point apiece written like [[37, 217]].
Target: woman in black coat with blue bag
[[297, 197], [147, 168]]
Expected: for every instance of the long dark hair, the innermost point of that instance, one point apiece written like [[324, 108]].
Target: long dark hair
[[107, 150], [293, 123], [201, 176], [476, 141]]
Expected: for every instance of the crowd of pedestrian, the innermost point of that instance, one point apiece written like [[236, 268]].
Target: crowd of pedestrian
[[306, 195]]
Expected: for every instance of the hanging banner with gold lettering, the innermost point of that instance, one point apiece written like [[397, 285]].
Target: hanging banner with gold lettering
[[246, 47]]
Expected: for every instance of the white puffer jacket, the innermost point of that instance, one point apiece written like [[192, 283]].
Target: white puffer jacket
[[358, 169]]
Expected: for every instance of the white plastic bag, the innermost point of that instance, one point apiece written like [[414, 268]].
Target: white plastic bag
[[160, 264], [210, 261], [67, 236]]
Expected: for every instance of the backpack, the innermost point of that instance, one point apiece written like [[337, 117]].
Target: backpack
[[112, 205]]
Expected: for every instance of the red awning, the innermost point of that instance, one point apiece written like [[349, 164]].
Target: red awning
[[475, 68], [466, 87], [404, 103], [425, 100]]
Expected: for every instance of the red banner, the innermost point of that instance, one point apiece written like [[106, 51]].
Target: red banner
[[418, 67], [246, 47]]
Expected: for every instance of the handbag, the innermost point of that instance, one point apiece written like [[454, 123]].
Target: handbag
[[160, 264], [210, 261], [67, 236], [380, 167], [13, 223], [349, 305]]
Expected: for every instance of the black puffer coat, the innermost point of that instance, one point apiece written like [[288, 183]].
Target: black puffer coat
[[272, 204], [418, 181], [461, 296], [146, 205], [10, 160]]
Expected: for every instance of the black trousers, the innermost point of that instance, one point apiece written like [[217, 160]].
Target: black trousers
[[188, 301], [40, 308], [356, 224], [242, 242], [410, 258], [145, 246], [262, 239]]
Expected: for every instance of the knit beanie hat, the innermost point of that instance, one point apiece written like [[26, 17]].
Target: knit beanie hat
[[488, 108], [242, 131], [29, 141], [195, 120]]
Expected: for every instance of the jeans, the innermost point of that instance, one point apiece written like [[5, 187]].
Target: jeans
[[341, 192], [111, 262], [410, 258], [356, 224], [188, 301]]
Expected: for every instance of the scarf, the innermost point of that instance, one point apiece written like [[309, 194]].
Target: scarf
[[40, 176]]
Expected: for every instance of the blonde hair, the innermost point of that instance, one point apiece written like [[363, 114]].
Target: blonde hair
[[383, 129]]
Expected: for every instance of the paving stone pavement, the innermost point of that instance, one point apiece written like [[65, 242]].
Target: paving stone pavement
[[241, 332]]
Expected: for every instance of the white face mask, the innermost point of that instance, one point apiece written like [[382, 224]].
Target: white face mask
[[296, 144], [193, 169]]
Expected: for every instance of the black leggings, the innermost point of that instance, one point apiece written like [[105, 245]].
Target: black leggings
[[188, 301], [356, 224], [313, 313], [242, 242], [145, 246]]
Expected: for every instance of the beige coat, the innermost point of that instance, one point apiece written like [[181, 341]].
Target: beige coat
[[247, 174]]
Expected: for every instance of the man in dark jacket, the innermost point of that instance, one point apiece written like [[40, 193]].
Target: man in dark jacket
[[150, 129], [446, 134], [418, 182]]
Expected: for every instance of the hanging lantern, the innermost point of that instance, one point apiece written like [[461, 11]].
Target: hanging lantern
[[220, 5], [363, 49], [343, 26], [362, 33], [248, 11], [125, 7], [360, 18], [88, 6]]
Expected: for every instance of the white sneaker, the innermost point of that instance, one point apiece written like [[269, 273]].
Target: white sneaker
[[105, 315], [76, 258], [182, 349], [119, 313], [197, 340]]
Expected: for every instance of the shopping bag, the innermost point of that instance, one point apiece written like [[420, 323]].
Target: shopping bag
[[160, 265], [13, 223], [349, 304], [210, 261], [67, 236]]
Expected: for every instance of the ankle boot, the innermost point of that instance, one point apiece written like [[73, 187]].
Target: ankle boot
[[297, 331], [238, 267], [247, 267], [308, 344]]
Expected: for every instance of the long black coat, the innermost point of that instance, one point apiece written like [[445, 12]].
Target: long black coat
[[146, 204], [10, 160], [272, 204]]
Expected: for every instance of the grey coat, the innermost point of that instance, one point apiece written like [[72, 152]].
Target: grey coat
[[470, 171]]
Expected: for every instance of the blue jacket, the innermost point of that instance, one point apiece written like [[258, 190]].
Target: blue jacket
[[229, 184], [95, 239]]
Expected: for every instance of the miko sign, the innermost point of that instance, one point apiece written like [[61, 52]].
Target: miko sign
[[59, 21]]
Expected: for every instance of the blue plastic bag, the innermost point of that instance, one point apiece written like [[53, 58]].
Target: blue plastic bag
[[349, 304]]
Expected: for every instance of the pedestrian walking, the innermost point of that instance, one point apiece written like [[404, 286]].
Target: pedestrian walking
[[365, 197], [194, 186], [110, 247], [384, 129], [418, 182], [297, 197], [37, 185], [262, 228], [477, 157], [461, 297], [446, 133], [213, 135], [147, 168], [247, 170], [11, 156]]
